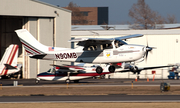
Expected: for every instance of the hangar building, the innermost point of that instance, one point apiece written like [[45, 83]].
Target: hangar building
[[165, 41], [51, 25]]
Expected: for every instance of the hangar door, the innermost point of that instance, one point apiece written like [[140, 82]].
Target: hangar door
[[8, 24]]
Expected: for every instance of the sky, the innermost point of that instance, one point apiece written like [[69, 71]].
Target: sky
[[119, 9]]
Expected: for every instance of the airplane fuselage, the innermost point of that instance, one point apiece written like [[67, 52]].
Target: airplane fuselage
[[124, 53]]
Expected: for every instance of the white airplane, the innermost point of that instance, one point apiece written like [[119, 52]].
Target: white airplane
[[70, 73], [90, 50], [8, 64]]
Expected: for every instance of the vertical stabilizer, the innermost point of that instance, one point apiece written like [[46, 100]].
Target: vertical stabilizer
[[9, 57], [31, 45]]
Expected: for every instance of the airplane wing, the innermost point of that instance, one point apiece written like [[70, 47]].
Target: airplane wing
[[146, 68], [91, 41], [129, 36], [68, 68], [94, 41]]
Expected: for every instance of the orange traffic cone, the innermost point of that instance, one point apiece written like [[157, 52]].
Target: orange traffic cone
[[147, 79], [153, 77], [136, 79]]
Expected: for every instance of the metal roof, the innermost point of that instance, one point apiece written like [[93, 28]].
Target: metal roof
[[120, 27], [125, 32], [51, 5]]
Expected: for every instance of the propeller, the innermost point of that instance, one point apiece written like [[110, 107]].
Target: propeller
[[148, 49]]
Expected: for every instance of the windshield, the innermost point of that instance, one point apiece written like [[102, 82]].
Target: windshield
[[51, 70], [119, 43]]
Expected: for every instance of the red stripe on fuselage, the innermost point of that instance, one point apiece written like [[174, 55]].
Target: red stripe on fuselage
[[30, 48]]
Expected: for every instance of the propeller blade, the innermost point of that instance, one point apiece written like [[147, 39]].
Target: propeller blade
[[148, 49]]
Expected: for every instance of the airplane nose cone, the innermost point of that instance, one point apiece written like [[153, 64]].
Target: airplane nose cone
[[148, 48]]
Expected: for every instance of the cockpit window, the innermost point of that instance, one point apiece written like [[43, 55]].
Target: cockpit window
[[107, 46], [119, 43], [98, 47], [52, 70], [49, 70], [90, 48]]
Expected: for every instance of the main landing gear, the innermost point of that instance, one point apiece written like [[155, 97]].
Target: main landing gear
[[68, 79], [99, 69], [111, 69]]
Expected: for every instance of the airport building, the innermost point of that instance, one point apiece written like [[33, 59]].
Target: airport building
[[165, 41], [51, 25], [90, 16]]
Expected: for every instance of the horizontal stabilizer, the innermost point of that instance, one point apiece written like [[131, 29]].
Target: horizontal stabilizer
[[38, 56], [9, 66]]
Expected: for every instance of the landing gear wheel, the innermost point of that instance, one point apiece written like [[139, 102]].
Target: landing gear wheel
[[99, 70], [37, 81], [111, 69], [68, 81]]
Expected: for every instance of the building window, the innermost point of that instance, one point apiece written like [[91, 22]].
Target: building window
[[84, 13]]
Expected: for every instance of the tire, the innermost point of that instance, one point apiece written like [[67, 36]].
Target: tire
[[67, 81], [37, 81], [111, 69], [99, 70]]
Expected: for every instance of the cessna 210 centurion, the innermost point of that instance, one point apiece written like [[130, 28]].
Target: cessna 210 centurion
[[90, 50]]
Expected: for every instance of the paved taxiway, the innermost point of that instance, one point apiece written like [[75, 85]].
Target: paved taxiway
[[91, 98], [90, 82]]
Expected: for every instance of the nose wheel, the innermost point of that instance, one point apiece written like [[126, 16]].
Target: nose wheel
[[37, 81], [68, 79]]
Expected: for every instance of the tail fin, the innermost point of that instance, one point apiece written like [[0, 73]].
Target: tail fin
[[9, 57], [31, 45]]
